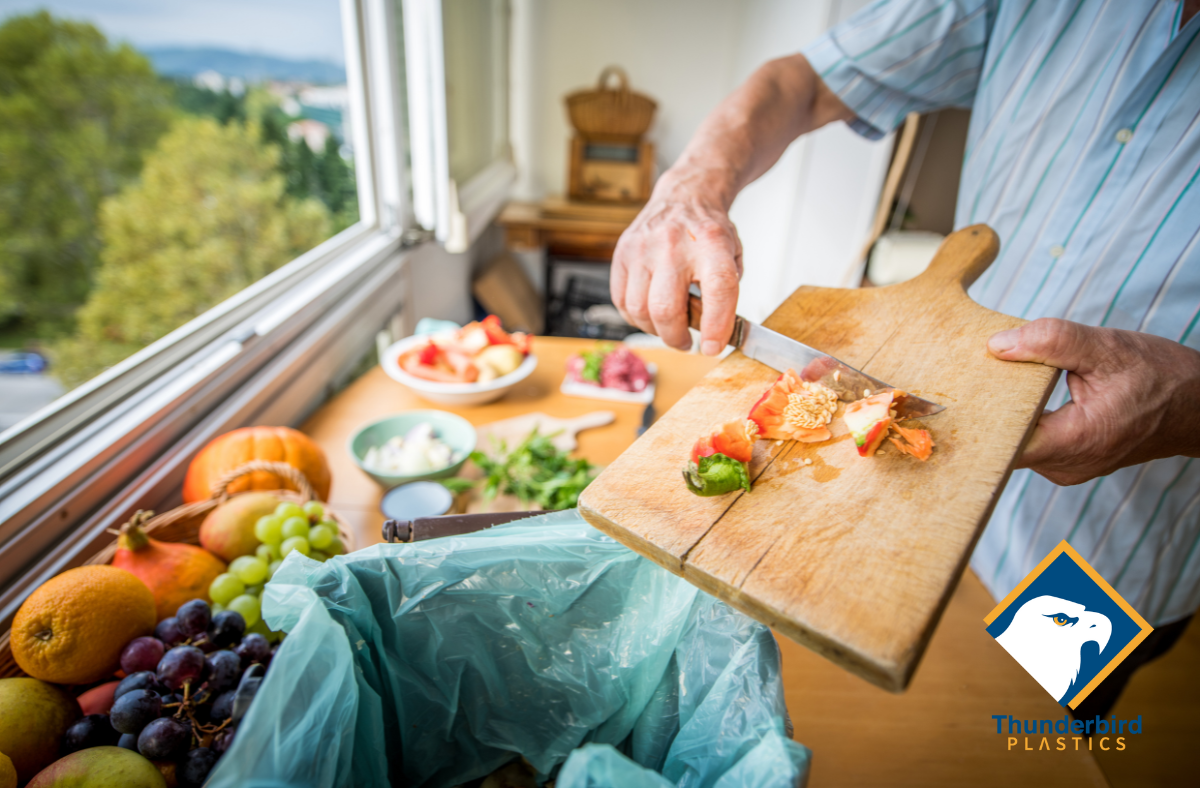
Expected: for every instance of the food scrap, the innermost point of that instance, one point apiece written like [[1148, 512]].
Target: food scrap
[[868, 420], [720, 461], [609, 366], [478, 352], [795, 409], [913, 441], [799, 410]]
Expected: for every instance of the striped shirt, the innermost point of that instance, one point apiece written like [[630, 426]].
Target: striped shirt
[[1083, 154]]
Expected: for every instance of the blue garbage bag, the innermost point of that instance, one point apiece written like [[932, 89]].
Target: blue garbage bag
[[435, 663]]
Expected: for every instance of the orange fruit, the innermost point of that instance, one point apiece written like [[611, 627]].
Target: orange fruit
[[72, 628]]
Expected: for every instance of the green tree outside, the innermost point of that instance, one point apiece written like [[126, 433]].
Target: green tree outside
[[324, 175], [209, 217], [76, 116]]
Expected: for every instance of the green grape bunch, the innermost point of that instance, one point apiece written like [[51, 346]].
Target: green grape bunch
[[306, 529]]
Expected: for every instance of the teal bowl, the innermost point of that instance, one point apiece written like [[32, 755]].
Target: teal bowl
[[453, 430]]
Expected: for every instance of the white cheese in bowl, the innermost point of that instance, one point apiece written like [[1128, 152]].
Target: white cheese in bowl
[[419, 451]]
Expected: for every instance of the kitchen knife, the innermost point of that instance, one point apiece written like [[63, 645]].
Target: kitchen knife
[[779, 352], [647, 419]]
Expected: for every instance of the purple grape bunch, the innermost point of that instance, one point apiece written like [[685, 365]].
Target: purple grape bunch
[[184, 692]]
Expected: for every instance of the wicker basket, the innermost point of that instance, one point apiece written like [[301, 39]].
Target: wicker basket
[[182, 524], [611, 114]]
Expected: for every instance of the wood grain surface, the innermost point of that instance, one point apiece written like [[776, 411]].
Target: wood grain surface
[[853, 557], [564, 432]]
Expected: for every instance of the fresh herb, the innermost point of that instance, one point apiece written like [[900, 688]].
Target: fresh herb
[[717, 475], [457, 484], [535, 472], [593, 360]]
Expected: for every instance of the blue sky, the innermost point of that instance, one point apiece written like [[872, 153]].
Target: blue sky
[[300, 29]]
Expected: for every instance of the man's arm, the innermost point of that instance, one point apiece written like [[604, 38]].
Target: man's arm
[[684, 235]]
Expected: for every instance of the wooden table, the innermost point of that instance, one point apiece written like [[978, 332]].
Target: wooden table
[[939, 732], [375, 395]]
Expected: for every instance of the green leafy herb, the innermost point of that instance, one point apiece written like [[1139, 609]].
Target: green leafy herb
[[457, 484], [717, 475], [593, 360], [536, 472]]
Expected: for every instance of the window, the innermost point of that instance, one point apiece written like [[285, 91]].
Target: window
[[457, 54], [475, 35], [287, 329], [155, 164], [277, 332]]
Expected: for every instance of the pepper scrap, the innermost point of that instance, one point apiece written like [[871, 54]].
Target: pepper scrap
[[913, 441], [720, 461], [868, 420], [795, 409]]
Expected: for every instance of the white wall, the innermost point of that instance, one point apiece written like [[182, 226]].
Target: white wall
[[802, 223]]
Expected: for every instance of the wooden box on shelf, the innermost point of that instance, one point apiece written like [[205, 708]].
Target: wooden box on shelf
[[615, 171]]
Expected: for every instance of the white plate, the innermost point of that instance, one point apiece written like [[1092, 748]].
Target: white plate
[[575, 389], [451, 393]]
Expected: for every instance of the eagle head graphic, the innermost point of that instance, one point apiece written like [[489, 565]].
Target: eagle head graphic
[[1046, 636]]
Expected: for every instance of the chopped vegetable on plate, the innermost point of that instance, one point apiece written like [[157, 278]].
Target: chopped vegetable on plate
[[609, 366]]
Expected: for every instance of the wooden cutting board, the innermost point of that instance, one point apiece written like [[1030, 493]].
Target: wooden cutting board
[[564, 432], [853, 557]]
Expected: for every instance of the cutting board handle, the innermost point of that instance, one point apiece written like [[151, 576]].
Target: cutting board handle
[[961, 259]]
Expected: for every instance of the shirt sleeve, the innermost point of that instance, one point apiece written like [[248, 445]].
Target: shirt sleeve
[[900, 56]]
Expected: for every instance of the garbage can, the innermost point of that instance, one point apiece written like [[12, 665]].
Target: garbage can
[[433, 664]]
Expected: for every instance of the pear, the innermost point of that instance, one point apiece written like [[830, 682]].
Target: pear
[[34, 716], [228, 531]]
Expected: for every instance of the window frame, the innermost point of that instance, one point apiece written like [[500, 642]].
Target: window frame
[[456, 213], [269, 354]]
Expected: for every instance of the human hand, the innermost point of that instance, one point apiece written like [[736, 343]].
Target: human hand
[[1134, 398], [683, 235]]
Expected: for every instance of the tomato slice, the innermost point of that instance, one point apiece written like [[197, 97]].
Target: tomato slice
[[428, 354], [495, 332]]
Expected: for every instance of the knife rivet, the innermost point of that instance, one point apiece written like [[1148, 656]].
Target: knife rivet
[[866, 392]]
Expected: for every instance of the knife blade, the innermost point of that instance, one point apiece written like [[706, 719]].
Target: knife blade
[[779, 352], [647, 419]]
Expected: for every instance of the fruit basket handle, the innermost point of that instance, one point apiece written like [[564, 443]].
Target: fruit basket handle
[[220, 487]]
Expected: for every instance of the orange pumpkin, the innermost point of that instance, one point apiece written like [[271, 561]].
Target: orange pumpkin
[[234, 449]]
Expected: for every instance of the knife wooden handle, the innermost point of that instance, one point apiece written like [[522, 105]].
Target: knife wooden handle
[[696, 311], [695, 308]]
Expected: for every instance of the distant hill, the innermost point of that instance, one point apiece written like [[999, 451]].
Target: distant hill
[[188, 62]]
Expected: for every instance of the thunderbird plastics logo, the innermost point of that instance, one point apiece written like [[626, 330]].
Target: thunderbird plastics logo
[[1066, 626]]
